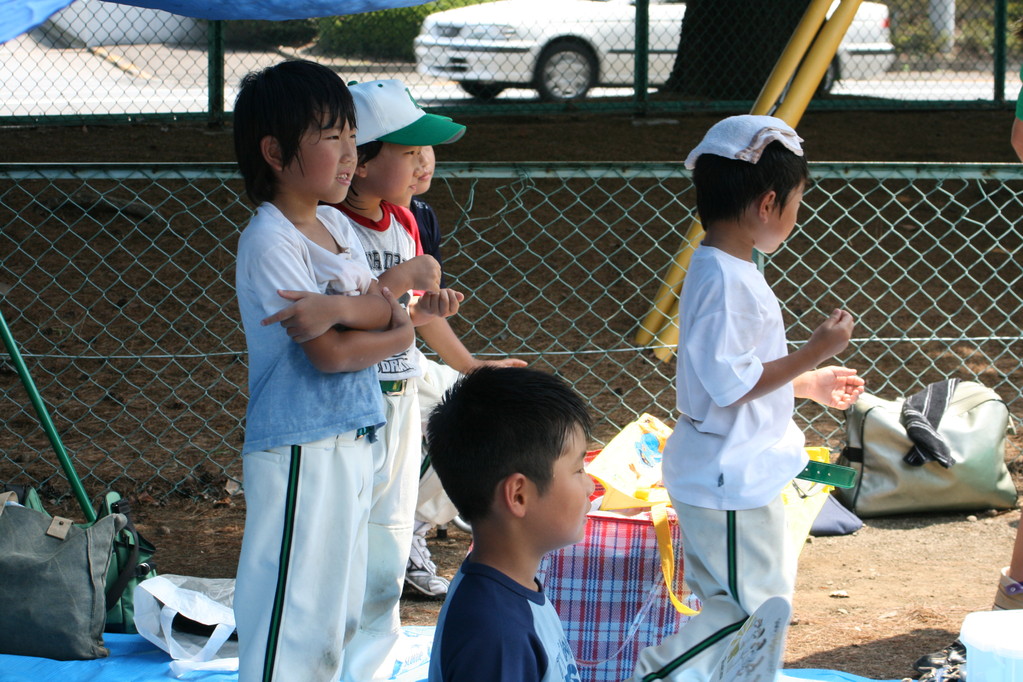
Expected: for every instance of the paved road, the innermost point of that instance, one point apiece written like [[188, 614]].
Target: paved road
[[42, 79]]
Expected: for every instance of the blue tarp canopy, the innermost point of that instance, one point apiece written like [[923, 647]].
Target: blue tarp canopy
[[19, 16], [270, 10]]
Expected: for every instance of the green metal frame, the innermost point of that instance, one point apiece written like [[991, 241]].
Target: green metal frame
[[46, 421]]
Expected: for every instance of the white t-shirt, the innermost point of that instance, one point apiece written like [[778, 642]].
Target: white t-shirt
[[724, 456], [290, 401], [388, 242], [339, 273]]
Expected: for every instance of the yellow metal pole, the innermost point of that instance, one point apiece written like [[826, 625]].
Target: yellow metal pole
[[816, 64], [660, 323], [667, 337], [667, 296], [791, 56]]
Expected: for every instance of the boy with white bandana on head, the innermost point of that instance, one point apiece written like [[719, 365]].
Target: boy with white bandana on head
[[735, 445]]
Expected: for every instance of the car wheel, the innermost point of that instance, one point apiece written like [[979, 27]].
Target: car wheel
[[566, 71], [481, 91]]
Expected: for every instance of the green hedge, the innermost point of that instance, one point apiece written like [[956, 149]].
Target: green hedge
[[914, 36], [263, 34], [384, 34]]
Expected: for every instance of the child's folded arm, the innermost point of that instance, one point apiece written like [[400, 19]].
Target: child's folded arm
[[433, 305], [313, 313], [352, 350], [421, 273], [829, 339], [441, 338]]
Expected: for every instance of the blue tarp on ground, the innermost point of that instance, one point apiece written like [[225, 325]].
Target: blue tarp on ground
[[19, 16], [825, 676], [133, 659]]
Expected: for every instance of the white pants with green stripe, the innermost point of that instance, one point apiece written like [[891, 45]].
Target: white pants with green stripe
[[434, 505], [327, 532], [734, 562], [371, 653]]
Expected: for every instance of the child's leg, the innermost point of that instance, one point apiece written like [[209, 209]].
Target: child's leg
[[433, 505], [1010, 583], [1016, 563], [733, 562], [437, 378], [301, 573], [396, 476]]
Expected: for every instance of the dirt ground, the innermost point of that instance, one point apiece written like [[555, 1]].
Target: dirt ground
[[870, 603], [829, 136]]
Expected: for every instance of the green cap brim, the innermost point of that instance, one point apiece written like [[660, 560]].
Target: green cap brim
[[428, 129]]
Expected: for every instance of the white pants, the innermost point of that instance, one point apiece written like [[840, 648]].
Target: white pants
[[434, 507], [734, 562], [344, 552], [302, 569], [371, 654]]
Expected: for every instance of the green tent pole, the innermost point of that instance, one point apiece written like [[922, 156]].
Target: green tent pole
[[46, 421]]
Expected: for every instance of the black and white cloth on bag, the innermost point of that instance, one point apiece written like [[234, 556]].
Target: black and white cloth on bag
[[921, 414]]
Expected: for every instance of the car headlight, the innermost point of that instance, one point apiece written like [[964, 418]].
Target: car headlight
[[490, 32]]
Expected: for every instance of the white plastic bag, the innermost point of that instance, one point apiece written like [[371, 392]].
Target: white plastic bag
[[207, 601]]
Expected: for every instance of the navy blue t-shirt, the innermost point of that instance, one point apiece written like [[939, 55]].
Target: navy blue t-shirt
[[429, 232], [492, 628]]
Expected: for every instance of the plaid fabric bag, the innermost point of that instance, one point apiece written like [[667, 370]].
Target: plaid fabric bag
[[611, 593]]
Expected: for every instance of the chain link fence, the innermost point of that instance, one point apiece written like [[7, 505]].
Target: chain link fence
[[118, 287], [100, 61]]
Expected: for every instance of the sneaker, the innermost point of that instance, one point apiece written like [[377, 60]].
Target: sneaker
[[948, 673], [952, 655], [1010, 593], [421, 572], [754, 653]]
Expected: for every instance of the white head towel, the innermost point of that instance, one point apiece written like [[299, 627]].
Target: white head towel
[[744, 138]]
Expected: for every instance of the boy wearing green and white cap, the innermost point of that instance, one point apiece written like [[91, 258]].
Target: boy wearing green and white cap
[[392, 130]]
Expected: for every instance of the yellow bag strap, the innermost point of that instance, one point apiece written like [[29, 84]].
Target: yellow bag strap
[[659, 515], [653, 496]]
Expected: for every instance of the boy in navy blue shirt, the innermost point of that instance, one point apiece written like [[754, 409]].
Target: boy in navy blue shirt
[[509, 445]]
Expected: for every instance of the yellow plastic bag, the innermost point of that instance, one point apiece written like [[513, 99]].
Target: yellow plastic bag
[[629, 467], [803, 502]]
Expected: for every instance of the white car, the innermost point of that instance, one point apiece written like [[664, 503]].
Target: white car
[[562, 48]]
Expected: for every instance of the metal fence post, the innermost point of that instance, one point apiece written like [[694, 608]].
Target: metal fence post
[[1001, 26], [215, 69], [642, 54]]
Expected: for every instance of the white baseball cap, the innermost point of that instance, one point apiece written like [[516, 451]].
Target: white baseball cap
[[744, 138], [385, 111]]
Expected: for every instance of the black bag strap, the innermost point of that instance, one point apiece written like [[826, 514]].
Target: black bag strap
[[18, 490], [131, 567], [852, 454]]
